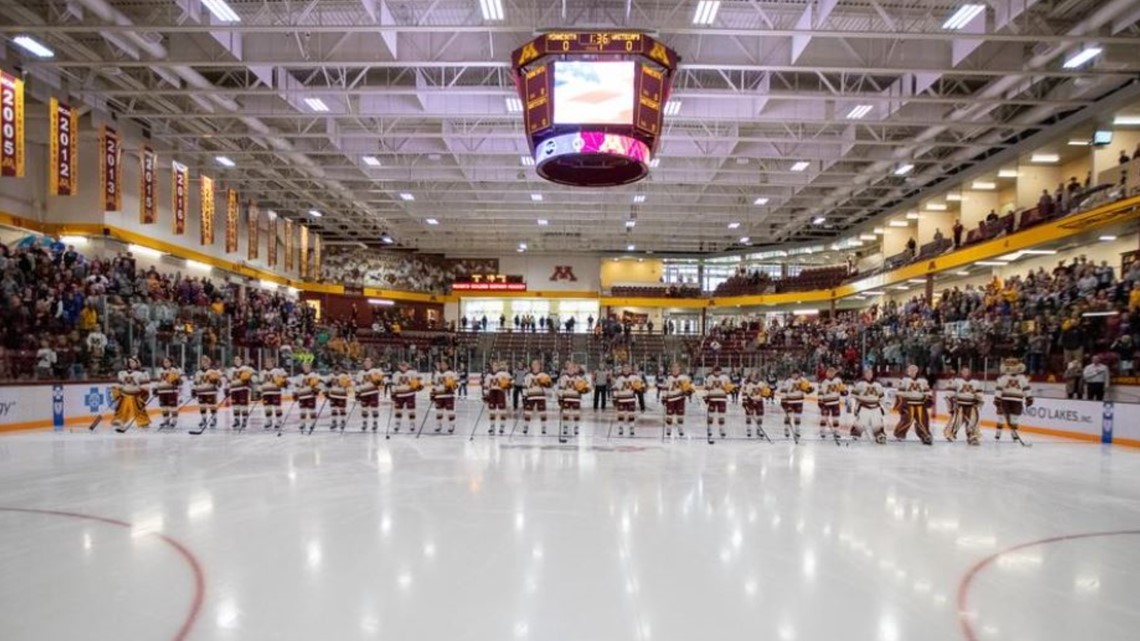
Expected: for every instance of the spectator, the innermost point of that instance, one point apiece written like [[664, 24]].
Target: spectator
[[911, 247], [992, 217], [1124, 159], [938, 237], [1096, 379], [1045, 203], [46, 359], [957, 230], [1073, 380]]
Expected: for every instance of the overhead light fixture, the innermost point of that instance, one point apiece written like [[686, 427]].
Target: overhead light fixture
[[898, 223], [1077, 142], [536, 198], [913, 215], [431, 221], [917, 281], [1044, 158], [936, 207], [904, 169], [744, 240], [1039, 252], [406, 196], [514, 105], [962, 273], [522, 245], [734, 225], [1107, 239], [1126, 121], [386, 238], [859, 112], [371, 161], [381, 301], [144, 251], [315, 214], [630, 224], [1008, 173], [963, 16], [221, 10], [760, 201], [638, 198], [527, 161], [805, 312], [33, 46], [1099, 314], [867, 237], [492, 9], [673, 107], [878, 231], [316, 104], [73, 240], [630, 248], [873, 292], [901, 288], [202, 267], [954, 198], [224, 161], [1082, 56], [983, 185], [819, 220], [542, 222], [801, 165], [991, 263], [655, 163], [706, 12]]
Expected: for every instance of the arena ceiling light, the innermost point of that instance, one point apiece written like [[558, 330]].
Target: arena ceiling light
[[144, 251], [706, 12], [1078, 142], [381, 301], [1008, 173], [962, 273], [898, 223], [202, 267], [983, 185], [954, 198], [878, 231], [527, 161], [1045, 158], [1126, 121], [73, 240], [819, 220], [316, 104], [221, 10], [734, 225], [315, 214], [901, 288], [1107, 239], [514, 105], [431, 221], [801, 165], [630, 248], [760, 201], [914, 215], [936, 207], [656, 162], [859, 112], [542, 222], [1039, 252], [638, 198], [963, 16], [1099, 314], [673, 107], [630, 224], [33, 46], [405, 196], [874, 292], [371, 161], [492, 9], [917, 281], [225, 161], [386, 238], [1083, 56], [904, 169], [991, 263], [536, 198], [805, 312], [866, 237], [744, 240]]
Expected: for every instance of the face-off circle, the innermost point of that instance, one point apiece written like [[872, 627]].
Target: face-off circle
[[592, 159]]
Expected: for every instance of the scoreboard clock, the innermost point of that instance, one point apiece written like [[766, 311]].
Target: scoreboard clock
[[593, 104]]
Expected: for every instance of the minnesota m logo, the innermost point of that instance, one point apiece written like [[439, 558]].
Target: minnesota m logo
[[564, 272]]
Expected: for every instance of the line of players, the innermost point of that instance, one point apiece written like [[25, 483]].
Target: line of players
[[243, 385]]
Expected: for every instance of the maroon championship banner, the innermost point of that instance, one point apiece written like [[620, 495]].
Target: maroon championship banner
[[181, 190], [148, 204], [206, 215], [271, 237], [110, 170], [63, 149], [231, 221], [304, 251], [11, 126], [254, 215], [288, 245]]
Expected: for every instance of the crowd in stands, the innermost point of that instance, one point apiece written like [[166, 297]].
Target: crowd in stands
[[431, 273], [671, 290]]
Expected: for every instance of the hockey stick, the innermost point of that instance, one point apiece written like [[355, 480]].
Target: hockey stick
[[351, 410], [285, 416], [388, 427], [317, 418], [518, 415], [177, 412], [215, 415], [427, 414], [478, 417], [561, 431], [122, 429]]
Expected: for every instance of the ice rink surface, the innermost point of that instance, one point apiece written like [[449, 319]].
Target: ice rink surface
[[160, 536]]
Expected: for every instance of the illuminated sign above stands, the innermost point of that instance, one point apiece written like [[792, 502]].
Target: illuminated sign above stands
[[490, 283]]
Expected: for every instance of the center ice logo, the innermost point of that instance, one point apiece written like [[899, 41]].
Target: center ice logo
[[93, 400]]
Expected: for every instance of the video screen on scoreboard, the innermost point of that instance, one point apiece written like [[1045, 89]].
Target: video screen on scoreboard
[[593, 93]]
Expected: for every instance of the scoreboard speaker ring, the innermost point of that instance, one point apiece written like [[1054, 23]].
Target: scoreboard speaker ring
[[592, 159]]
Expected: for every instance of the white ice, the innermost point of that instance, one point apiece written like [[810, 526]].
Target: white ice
[[343, 537]]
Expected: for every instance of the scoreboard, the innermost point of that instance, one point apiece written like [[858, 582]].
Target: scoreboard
[[562, 79]]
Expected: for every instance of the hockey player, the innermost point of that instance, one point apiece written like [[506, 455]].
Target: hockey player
[[572, 386], [1011, 396], [339, 389], [869, 413], [274, 382], [678, 389], [914, 400], [717, 388], [965, 398], [240, 380], [206, 382], [306, 389], [792, 394], [831, 393], [756, 392], [496, 384], [406, 383], [443, 385], [535, 384], [167, 388], [132, 395], [626, 385], [369, 384]]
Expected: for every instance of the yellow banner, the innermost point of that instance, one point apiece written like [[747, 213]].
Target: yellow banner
[[11, 126], [110, 171], [181, 195], [231, 221], [63, 149], [148, 205], [316, 257], [207, 211], [271, 238], [304, 252], [251, 236], [288, 245]]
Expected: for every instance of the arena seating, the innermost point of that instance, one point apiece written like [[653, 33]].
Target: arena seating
[[655, 291]]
